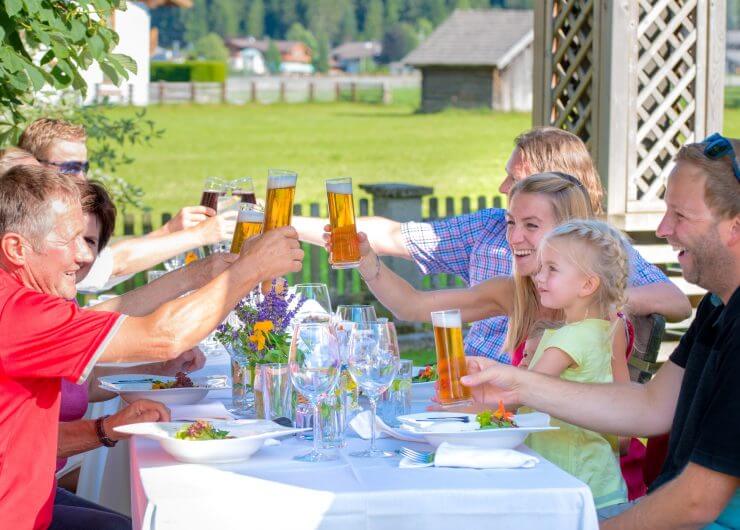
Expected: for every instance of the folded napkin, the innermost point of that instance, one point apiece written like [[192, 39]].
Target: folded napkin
[[361, 425], [449, 455], [206, 410]]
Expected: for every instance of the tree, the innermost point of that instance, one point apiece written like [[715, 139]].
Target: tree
[[436, 11], [348, 24], [298, 33], [256, 19], [392, 12], [424, 28], [373, 29], [398, 41], [273, 58], [222, 18], [323, 17], [50, 43], [195, 20], [321, 57], [211, 47]]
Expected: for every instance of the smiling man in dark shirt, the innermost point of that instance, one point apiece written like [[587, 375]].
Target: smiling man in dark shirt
[[696, 395]]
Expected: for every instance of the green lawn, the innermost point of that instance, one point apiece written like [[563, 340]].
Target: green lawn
[[458, 153]]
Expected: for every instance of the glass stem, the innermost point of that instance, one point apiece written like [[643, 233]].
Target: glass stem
[[316, 428], [373, 406]]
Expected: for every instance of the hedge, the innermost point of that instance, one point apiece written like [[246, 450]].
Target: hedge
[[202, 71]]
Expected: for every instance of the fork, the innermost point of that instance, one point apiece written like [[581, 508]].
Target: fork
[[418, 457]]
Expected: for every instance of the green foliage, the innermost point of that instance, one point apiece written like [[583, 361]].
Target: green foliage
[[211, 48], [273, 58], [256, 19], [424, 28], [201, 71], [298, 33], [398, 42], [321, 58], [71, 35], [373, 28]]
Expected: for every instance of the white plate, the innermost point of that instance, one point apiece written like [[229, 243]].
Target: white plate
[[470, 434], [250, 437], [139, 386]]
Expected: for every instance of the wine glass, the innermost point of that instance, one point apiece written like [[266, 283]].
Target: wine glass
[[316, 305], [314, 366], [356, 313], [373, 363]]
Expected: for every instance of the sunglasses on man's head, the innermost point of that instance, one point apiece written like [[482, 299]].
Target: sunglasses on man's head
[[717, 146], [73, 167]]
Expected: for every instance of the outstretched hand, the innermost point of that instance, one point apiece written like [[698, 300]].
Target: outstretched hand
[[491, 381], [365, 247]]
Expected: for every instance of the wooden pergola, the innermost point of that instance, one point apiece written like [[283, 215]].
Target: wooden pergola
[[635, 79]]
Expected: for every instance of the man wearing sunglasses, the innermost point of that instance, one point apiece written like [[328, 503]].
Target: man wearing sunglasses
[[61, 145], [696, 394]]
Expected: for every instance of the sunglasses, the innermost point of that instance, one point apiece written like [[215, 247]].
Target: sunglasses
[[717, 146], [73, 167]]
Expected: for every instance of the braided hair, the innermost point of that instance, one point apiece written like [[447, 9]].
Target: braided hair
[[606, 256]]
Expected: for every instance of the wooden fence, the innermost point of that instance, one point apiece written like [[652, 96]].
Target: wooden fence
[[345, 285], [257, 90]]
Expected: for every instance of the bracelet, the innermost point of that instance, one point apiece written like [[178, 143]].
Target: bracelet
[[100, 431], [377, 271]]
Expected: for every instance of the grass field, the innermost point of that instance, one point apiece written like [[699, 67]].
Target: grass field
[[459, 153]]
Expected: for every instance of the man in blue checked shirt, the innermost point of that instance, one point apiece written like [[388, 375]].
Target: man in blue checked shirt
[[474, 246]]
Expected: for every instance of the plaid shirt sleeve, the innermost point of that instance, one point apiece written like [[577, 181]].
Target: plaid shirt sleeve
[[642, 272], [444, 246]]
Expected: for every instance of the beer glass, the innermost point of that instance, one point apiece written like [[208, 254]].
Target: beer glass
[[448, 342], [248, 224], [280, 195], [345, 246], [213, 189], [243, 189]]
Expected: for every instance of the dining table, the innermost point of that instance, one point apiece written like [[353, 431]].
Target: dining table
[[272, 491]]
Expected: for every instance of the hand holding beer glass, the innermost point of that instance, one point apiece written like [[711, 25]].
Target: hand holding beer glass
[[248, 224], [213, 189], [345, 246], [280, 196], [243, 189], [451, 366]]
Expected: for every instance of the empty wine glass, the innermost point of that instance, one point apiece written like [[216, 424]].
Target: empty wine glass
[[373, 363], [314, 366], [316, 305], [356, 313]]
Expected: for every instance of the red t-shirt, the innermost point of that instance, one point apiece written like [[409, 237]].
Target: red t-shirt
[[43, 338]]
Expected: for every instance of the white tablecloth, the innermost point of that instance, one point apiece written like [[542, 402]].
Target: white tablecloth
[[274, 492]]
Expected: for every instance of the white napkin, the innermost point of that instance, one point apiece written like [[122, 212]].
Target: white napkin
[[449, 455], [361, 425], [207, 410]]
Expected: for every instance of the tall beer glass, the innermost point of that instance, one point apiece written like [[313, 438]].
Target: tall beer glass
[[448, 342], [280, 195], [345, 247], [213, 189], [248, 224]]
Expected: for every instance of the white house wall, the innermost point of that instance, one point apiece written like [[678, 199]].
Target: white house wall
[[133, 27]]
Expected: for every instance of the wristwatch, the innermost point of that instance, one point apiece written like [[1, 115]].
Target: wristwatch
[[100, 431]]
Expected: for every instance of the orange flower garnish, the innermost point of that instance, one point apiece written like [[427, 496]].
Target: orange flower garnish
[[502, 414]]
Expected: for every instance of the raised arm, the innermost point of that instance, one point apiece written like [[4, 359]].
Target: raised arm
[[579, 403], [187, 217], [384, 234], [136, 254], [149, 297], [182, 323], [484, 300]]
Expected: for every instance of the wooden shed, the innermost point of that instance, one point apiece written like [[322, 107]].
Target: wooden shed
[[477, 58]]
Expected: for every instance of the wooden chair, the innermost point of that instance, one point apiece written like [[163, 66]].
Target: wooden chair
[[648, 335]]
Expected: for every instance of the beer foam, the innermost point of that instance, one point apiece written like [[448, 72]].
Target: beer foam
[[281, 181], [341, 188], [446, 319], [250, 216]]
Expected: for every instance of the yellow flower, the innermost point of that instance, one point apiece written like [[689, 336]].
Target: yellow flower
[[261, 329]]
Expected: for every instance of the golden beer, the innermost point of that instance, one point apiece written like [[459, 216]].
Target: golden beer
[[248, 224], [448, 342], [280, 195], [345, 251]]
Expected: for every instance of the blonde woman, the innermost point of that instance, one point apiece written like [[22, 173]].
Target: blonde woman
[[474, 246]]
